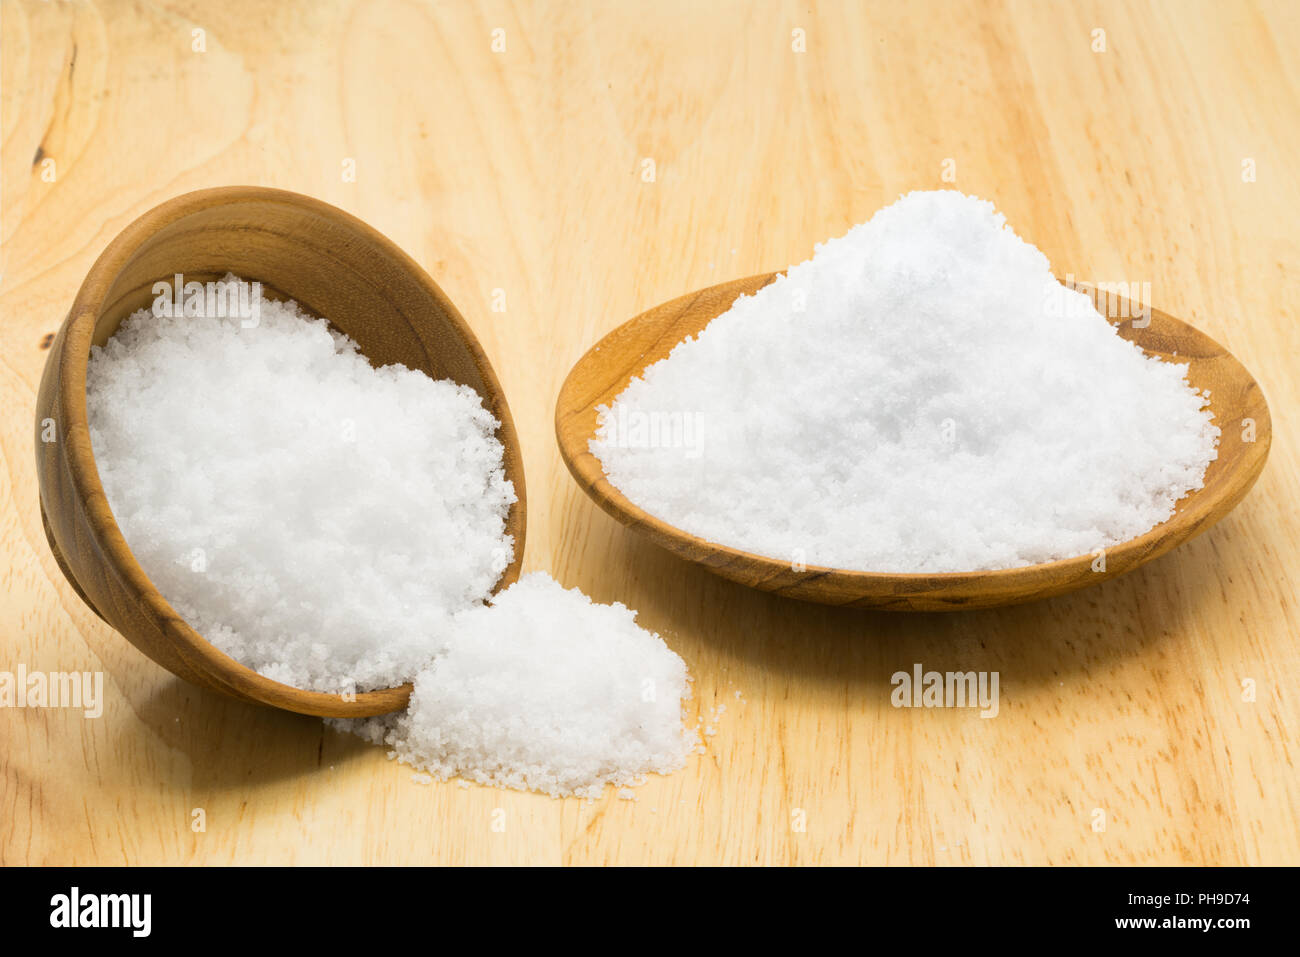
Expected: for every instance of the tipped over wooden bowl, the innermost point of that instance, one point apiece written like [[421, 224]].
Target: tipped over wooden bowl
[[299, 248], [604, 372]]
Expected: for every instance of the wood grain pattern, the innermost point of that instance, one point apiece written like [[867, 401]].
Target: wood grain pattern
[[1165, 699], [602, 374], [299, 248]]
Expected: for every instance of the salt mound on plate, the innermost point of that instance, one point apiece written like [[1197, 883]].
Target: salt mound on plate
[[920, 396], [544, 690], [315, 518]]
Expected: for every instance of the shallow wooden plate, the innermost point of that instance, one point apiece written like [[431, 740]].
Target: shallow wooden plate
[[606, 369]]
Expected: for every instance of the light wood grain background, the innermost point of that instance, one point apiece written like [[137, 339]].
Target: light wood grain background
[[521, 171]]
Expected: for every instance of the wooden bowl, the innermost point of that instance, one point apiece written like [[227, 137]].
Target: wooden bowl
[[606, 369], [299, 248]]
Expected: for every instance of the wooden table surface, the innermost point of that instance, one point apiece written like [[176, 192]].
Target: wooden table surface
[[1128, 730]]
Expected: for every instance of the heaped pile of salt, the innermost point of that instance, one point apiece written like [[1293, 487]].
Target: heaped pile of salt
[[544, 690], [920, 396], [337, 527], [314, 517]]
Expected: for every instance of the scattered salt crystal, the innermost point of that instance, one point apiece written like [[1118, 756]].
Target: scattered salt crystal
[[337, 527], [544, 690], [314, 517], [920, 396]]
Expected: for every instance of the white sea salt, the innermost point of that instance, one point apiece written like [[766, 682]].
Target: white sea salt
[[544, 690], [337, 527], [920, 396], [314, 517]]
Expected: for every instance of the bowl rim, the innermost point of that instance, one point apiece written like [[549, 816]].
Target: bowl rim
[[901, 591], [210, 662]]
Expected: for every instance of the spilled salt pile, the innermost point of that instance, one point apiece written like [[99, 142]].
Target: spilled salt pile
[[544, 690], [920, 396], [337, 527], [315, 518]]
